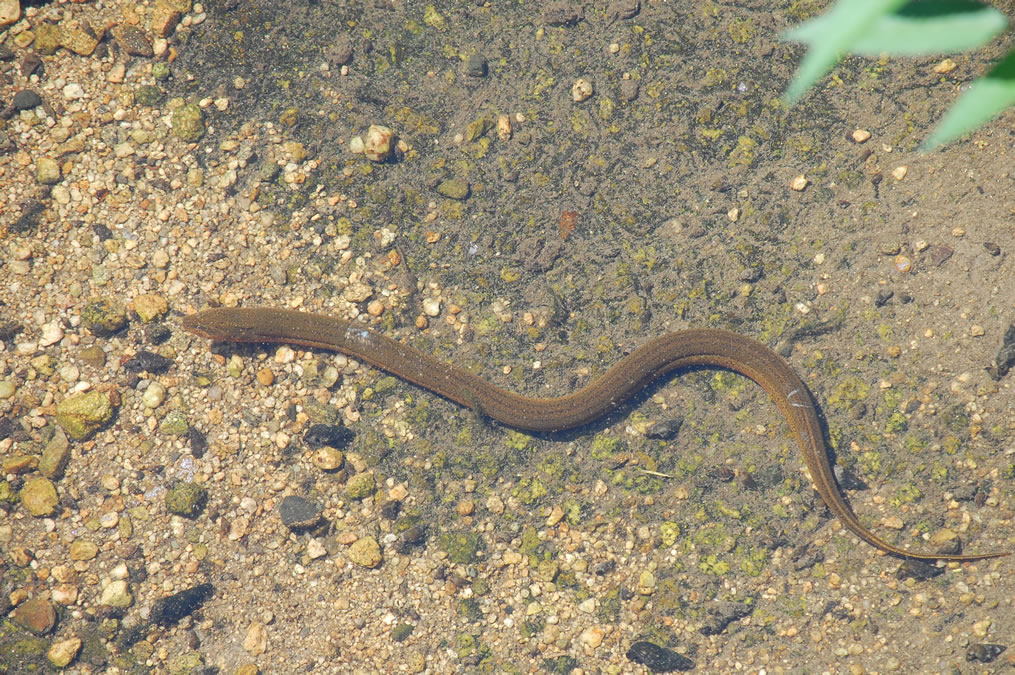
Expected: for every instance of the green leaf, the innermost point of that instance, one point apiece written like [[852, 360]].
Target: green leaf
[[985, 99], [931, 27], [832, 35]]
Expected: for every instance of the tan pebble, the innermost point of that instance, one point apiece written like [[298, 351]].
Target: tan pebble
[[593, 636], [466, 507], [375, 308], [892, 522], [503, 127], [921, 246], [328, 459], [379, 142], [903, 264], [62, 652], [822, 288], [958, 232], [981, 628], [357, 292], [945, 66], [432, 237], [900, 172], [421, 322], [346, 537], [976, 330], [256, 641], [799, 183], [942, 537], [495, 504], [556, 515], [581, 90], [733, 214], [82, 549], [65, 594], [431, 306], [861, 136], [265, 376]]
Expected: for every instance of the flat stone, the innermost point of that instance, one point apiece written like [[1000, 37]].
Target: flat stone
[[39, 497], [36, 615], [299, 512]]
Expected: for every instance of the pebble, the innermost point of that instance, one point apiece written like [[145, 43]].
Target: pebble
[[328, 459], [55, 456], [581, 90], [593, 636], [64, 594], [82, 549], [299, 512], [26, 99], [39, 497], [861, 136], [431, 306], [315, 549], [73, 91], [153, 396], [799, 183], [185, 499], [658, 659], [52, 333], [255, 642], [36, 615], [62, 652], [945, 66], [379, 142], [365, 552], [117, 594], [81, 415]]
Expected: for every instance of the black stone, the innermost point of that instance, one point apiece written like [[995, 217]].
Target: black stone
[[167, 611], [299, 513], [658, 659], [148, 361], [330, 435], [26, 99]]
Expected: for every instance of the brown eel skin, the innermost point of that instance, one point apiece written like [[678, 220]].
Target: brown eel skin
[[664, 354]]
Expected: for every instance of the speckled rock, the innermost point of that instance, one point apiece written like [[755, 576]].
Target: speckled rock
[[188, 123], [48, 38], [39, 496], [47, 171], [454, 188], [79, 38], [365, 552], [185, 499], [132, 40], [103, 317], [81, 415], [361, 486]]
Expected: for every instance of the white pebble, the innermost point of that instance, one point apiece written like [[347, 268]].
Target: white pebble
[[73, 92], [154, 395], [52, 333]]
